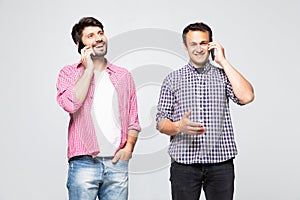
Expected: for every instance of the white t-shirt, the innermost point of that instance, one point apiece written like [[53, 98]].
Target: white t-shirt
[[105, 113]]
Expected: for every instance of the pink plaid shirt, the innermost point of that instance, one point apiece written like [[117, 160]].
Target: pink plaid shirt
[[82, 138]]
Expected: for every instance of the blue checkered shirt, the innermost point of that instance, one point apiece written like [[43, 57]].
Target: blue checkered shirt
[[207, 95]]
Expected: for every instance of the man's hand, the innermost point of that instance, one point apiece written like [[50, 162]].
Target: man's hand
[[87, 61], [122, 155], [242, 88], [219, 52], [189, 127]]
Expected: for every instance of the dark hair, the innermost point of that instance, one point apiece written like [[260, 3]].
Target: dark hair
[[84, 22], [198, 26]]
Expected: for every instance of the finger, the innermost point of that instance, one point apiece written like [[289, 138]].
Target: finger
[[193, 124], [187, 114], [84, 51], [212, 45], [198, 131], [201, 131], [194, 128], [194, 132], [82, 54], [89, 51], [116, 158], [126, 155], [93, 51]]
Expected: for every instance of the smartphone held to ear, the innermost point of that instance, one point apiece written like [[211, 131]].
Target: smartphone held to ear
[[80, 46], [212, 53]]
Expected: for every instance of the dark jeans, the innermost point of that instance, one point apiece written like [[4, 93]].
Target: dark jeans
[[217, 181]]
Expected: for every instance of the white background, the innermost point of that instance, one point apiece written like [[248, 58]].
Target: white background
[[261, 39]]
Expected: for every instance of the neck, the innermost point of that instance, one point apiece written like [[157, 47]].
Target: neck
[[100, 63], [199, 65]]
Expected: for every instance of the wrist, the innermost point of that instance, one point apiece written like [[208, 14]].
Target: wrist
[[177, 127], [223, 62], [89, 70], [128, 147]]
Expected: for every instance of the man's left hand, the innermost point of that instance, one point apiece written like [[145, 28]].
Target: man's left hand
[[122, 155], [219, 52]]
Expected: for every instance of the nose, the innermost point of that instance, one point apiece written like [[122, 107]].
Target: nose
[[198, 48], [99, 38]]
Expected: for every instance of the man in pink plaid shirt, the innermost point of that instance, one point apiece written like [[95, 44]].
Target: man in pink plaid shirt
[[101, 101]]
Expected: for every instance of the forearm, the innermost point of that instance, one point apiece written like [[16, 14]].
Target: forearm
[[82, 85], [168, 127], [242, 89], [132, 136]]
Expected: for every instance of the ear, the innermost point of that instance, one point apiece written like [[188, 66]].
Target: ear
[[184, 44]]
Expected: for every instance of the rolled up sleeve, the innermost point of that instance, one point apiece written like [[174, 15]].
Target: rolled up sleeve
[[133, 107], [166, 102], [66, 97]]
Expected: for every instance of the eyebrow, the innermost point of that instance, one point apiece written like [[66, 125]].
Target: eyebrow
[[202, 42], [92, 33]]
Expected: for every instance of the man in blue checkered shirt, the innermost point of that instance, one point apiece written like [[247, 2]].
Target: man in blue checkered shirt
[[193, 109]]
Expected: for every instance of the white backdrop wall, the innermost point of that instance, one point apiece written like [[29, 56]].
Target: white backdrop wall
[[261, 39]]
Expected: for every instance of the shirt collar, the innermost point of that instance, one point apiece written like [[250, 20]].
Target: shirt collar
[[109, 67], [207, 67]]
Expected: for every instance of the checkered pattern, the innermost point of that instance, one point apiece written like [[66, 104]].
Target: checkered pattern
[[207, 96]]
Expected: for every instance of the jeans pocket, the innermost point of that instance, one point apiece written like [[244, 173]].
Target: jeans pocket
[[123, 163], [121, 166]]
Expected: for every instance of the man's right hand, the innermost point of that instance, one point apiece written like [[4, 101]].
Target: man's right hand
[[82, 86], [189, 127], [87, 61]]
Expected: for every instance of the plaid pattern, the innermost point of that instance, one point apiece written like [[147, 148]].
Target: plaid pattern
[[207, 95]]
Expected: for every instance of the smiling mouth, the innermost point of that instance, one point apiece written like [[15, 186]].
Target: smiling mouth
[[99, 46], [199, 55]]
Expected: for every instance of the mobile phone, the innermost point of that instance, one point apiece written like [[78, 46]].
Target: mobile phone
[[80, 46], [212, 53]]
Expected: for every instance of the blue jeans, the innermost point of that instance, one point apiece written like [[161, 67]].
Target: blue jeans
[[91, 177], [217, 181]]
